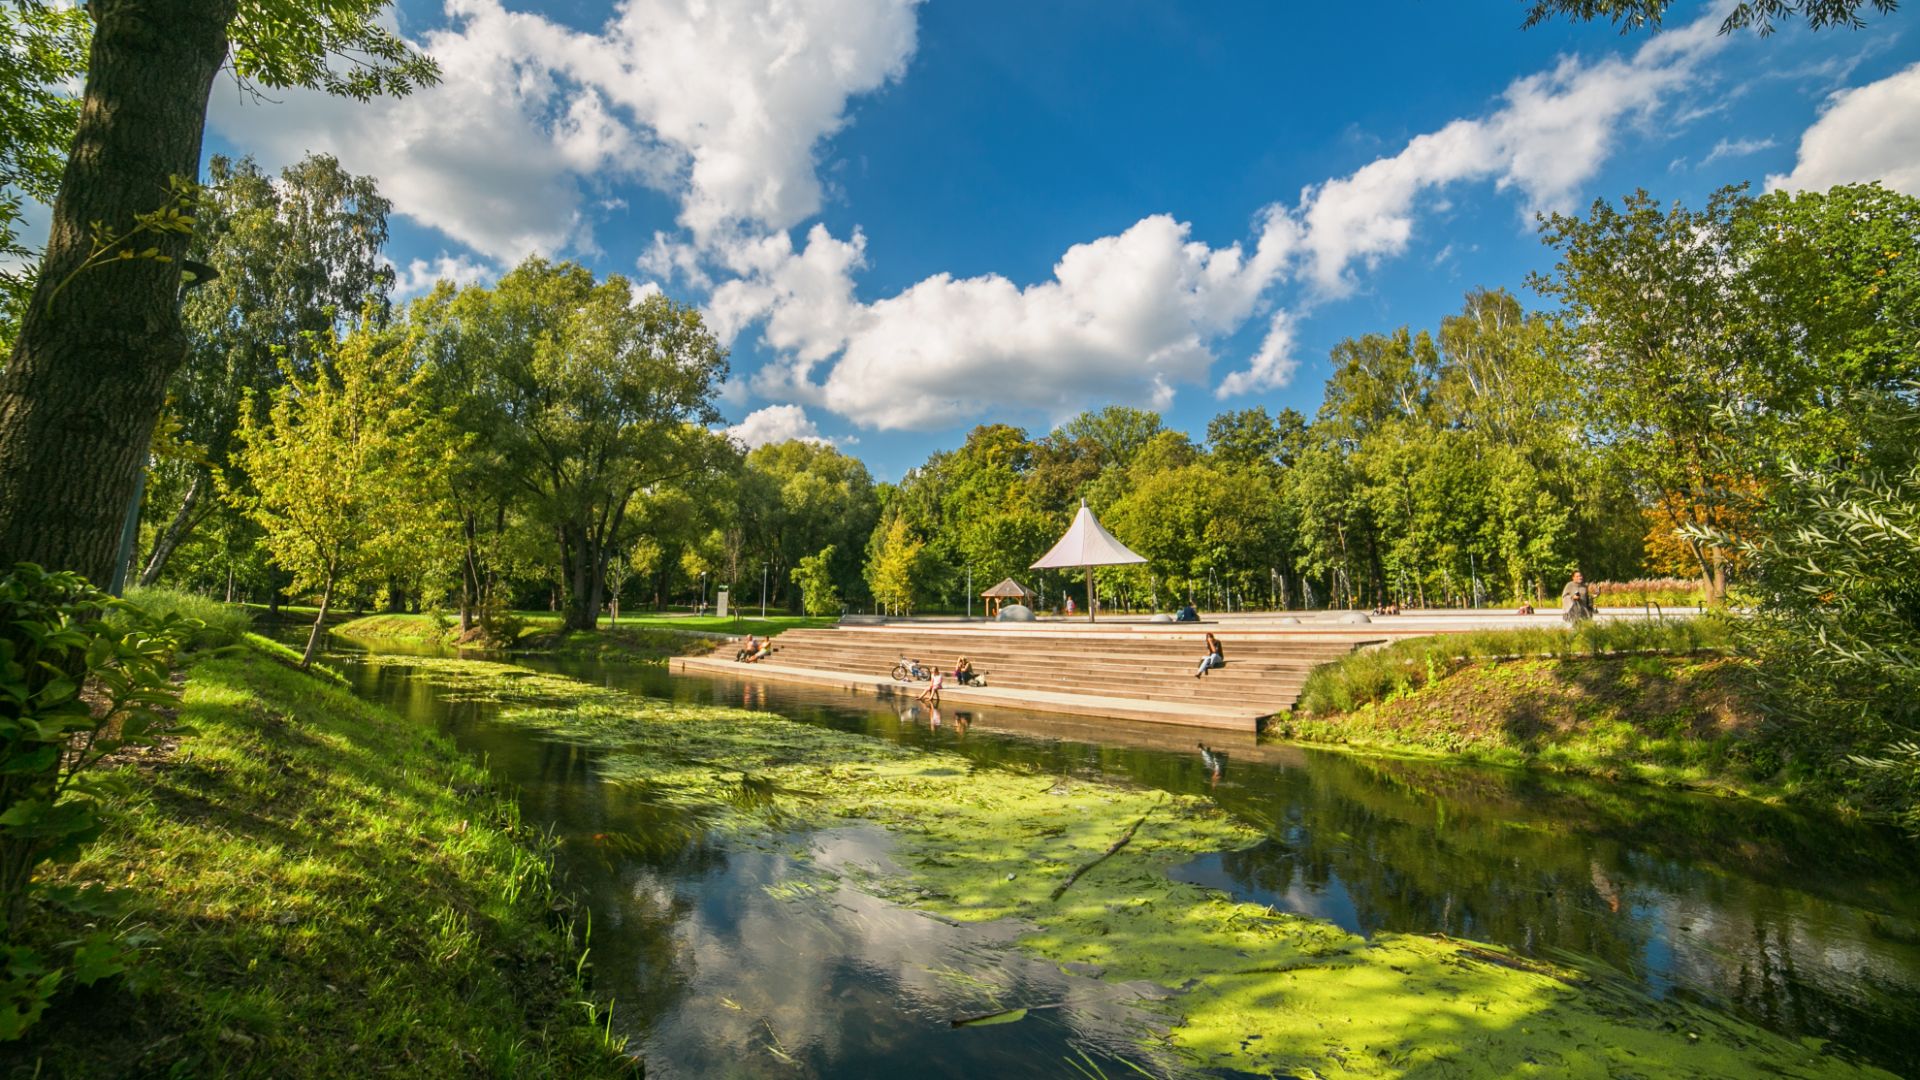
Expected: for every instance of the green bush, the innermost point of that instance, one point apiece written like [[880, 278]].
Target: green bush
[[220, 624], [82, 674], [1381, 674], [1835, 584]]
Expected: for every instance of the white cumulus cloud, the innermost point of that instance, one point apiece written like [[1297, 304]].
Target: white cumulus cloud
[[1870, 132], [1550, 136], [1132, 317], [775, 424], [721, 105], [1123, 318], [1272, 367], [421, 275]]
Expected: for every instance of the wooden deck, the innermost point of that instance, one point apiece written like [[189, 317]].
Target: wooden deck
[[1128, 673]]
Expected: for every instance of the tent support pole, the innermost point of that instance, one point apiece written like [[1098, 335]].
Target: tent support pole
[[1093, 609]]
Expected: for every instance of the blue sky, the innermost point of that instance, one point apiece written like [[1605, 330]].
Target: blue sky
[[910, 218]]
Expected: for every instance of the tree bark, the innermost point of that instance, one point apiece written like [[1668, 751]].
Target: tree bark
[[319, 621], [87, 379], [469, 575], [176, 531]]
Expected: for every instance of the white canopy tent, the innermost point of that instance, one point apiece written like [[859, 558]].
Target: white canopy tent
[[1087, 544]]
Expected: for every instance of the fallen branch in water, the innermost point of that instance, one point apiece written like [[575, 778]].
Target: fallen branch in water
[[1102, 857]]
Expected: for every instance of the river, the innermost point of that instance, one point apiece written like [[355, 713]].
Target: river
[[1800, 923]]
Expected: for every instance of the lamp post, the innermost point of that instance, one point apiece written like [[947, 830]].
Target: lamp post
[[703, 592], [763, 590]]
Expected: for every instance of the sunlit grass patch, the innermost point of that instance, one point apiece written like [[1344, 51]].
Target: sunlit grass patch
[[1369, 676], [329, 890]]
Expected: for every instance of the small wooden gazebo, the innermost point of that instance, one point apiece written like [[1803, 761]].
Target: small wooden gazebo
[[1003, 592]]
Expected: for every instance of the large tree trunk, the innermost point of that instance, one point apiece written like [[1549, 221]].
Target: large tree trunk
[[579, 611], [176, 531], [87, 379]]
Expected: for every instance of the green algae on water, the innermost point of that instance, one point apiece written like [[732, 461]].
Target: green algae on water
[[1252, 989]]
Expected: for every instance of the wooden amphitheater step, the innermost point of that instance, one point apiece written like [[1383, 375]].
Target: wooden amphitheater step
[[1137, 675], [1157, 712]]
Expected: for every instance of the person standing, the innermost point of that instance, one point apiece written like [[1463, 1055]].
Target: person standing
[[1577, 598]]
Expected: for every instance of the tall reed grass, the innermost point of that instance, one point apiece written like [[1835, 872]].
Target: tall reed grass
[[222, 624]]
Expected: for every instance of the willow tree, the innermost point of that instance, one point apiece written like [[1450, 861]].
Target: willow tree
[[101, 334], [581, 395]]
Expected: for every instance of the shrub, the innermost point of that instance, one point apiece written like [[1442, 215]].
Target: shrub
[[82, 674], [498, 625], [1835, 582], [1380, 674]]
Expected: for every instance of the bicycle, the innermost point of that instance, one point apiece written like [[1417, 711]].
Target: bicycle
[[910, 671]]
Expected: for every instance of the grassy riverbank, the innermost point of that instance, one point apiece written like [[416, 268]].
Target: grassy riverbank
[[640, 639], [1659, 704], [1079, 867], [324, 889], [1677, 721]]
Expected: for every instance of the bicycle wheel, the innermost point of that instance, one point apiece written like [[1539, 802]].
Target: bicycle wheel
[[900, 673]]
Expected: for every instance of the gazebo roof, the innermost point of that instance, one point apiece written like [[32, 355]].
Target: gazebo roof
[[1008, 588], [1087, 544]]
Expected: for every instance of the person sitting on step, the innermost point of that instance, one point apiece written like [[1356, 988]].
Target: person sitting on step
[[1216, 656]]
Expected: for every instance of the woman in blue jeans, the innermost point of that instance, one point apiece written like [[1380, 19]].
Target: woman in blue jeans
[[1216, 657]]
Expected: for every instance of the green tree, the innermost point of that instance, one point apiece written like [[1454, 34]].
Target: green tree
[[582, 395], [798, 498], [814, 575], [1828, 285], [349, 472], [296, 255], [896, 569], [1714, 346], [101, 334], [1117, 432], [41, 49], [1661, 359]]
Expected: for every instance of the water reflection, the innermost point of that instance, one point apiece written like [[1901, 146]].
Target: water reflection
[[763, 958], [1804, 924]]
